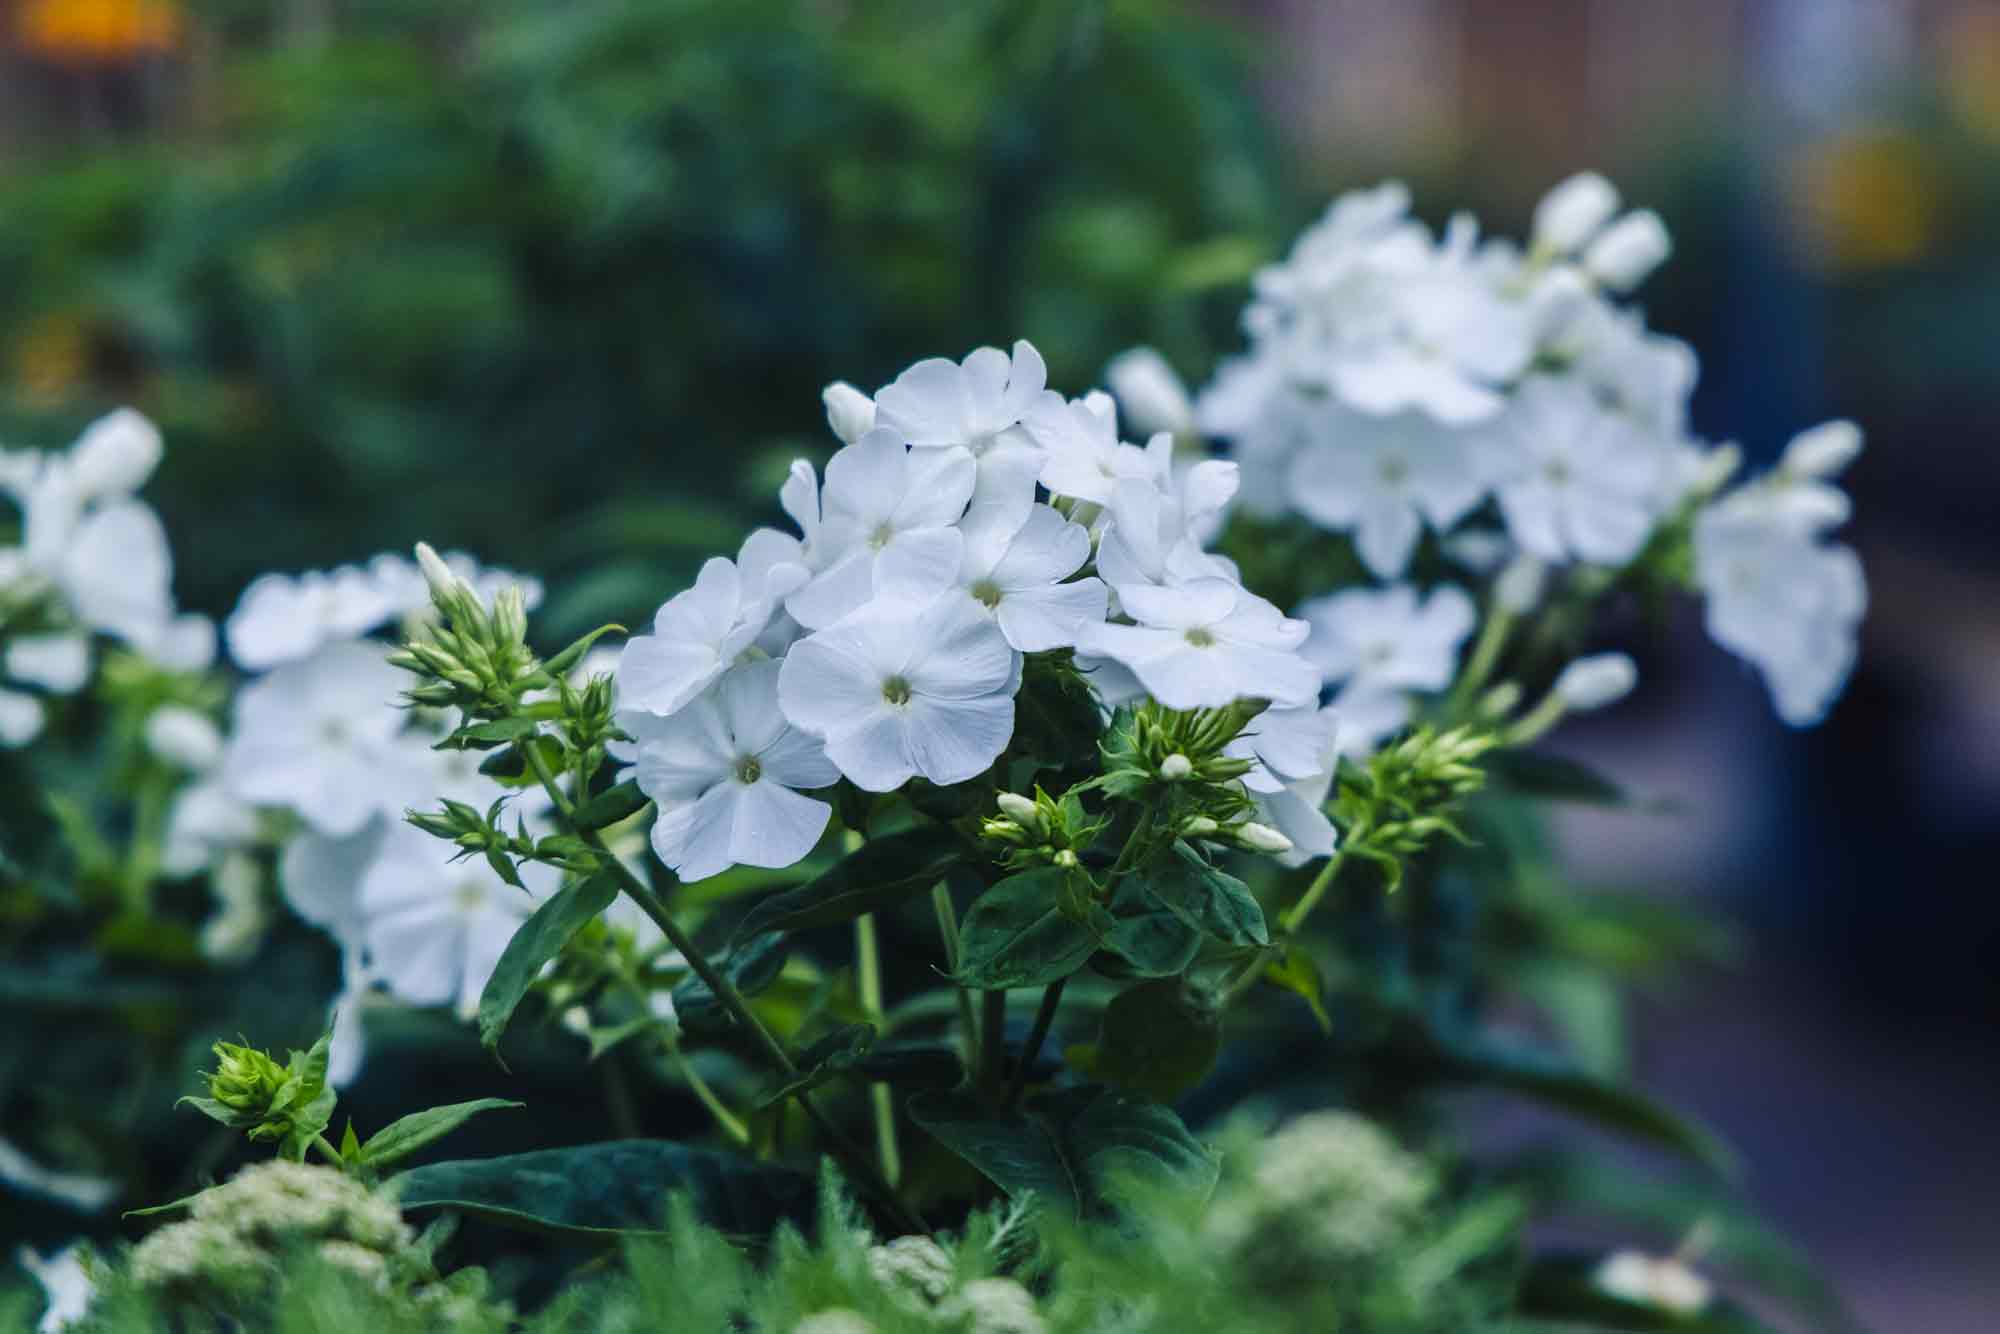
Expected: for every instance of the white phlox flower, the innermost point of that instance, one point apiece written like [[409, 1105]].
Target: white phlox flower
[[1081, 454], [879, 491], [58, 663], [1295, 754], [319, 876], [1382, 479], [184, 737], [1204, 643], [1158, 522], [727, 773], [1596, 682], [1151, 392], [1388, 639], [1015, 557], [434, 928], [700, 633], [906, 687], [976, 404]]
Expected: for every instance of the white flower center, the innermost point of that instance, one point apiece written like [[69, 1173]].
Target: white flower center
[[748, 769], [1557, 471], [333, 731], [1394, 468], [885, 533], [1201, 637], [987, 592], [896, 690], [470, 898]]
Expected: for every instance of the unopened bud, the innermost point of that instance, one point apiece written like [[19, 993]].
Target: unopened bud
[[1573, 212], [1150, 393], [1021, 810], [1176, 767], [1199, 826], [1501, 700], [1597, 681], [1261, 837], [444, 585], [1065, 859], [1717, 466], [1823, 451], [1004, 830], [1519, 587], [849, 412], [1628, 250], [183, 736], [245, 1080]]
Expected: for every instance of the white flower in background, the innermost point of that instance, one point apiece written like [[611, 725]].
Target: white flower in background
[[849, 412], [878, 491], [1082, 456], [1596, 682], [1382, 479], [235, 930], [1665, 1283], [1205, 643], [726, 773], [349, 1047], [78, 1190], [1151, 392], [1626, 253], [1822, 451], [320, 877], [68, 1288], [1645, 376], [1015, 557], [184, 737], [58, 663], [1159, 522], [1249, 404], [114, 570], [702, 632], [282, 618], [904, 688], [115, 455], [1779, 598], [204, 823], [1387, 639], [323, 737], [434, 928], [1574, 480], [975, 404], [1294, 754], [185, 643], [1573, 212]]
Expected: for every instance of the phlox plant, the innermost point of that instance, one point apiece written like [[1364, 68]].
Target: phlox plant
[[1034, 786]]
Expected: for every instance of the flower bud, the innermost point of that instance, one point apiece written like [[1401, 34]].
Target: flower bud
[[1597, 681], [1199, 826], [1824, 451], [1501, 700], [1065, 859], [1628, 250], [1519, 587], [1021, 810], [1665, 1284], [1573, 212], [115, 455], [1150, 393], [1261, 838], [849, 412], [1176, 767], [1717, 466], [183, 737], [58, 663], [245, 1080]]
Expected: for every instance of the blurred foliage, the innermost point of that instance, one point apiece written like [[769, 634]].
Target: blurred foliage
[[620, 247]]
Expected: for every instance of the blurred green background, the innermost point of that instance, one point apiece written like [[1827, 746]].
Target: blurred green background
[[560, 283]]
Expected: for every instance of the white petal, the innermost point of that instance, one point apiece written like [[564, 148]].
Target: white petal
[[952, 741], [1051, 616], [775, 826]]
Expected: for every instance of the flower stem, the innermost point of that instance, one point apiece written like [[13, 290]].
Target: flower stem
[[993, 1040], [1045, 1018], [1292, 917], [732, 1126], [328, 1152], [947, 920], [868, 976], [1485, 652], [725, 991]]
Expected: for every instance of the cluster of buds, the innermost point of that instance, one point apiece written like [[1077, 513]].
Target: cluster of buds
[[1042, 830], [250, 1090], [1402, 799], [478, 833], [474, 658], [1152, 747]]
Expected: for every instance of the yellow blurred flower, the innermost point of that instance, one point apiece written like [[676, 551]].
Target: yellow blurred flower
[[1865, 200]]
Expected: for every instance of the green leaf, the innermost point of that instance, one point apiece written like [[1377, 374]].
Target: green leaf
[[1151, 939], [350, 1146], [833, 1055], [1017, 935], [401, 1138], [535, 942], [619, 802], [1216, 902], [877, 875], [1074, 1148], [751, 968], [1159, 1038], [612, 1189], [1298, 972], [497, 732], [1535, 773], [562, 662]]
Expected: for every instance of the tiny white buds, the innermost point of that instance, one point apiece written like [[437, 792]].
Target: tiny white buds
[[849, 412], [1628, 250], [1717, 466], [1573, 212], [1597, 681], [1261, 838], [1665, 1284], [183, 737], [1176, 767], [59, 663], [1199, 826], [1519, 586], [115, 454], [1066, 859], [1501, 700], [444, 585], [20, 718], [1823, 451], [1150, 393], [1021, 811]]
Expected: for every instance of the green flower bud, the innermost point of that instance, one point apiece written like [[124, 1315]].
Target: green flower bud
[[245, 1080], [1176, 767], [1022, 811]]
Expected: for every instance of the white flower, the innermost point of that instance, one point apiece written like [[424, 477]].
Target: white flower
[[1575, 480], [232, 933], [1822, 451], [1518, 588], [184, 737], [1151, 393], [322, 736], [1382, 478], [1250, 404], [1295, 753], [1369, 715], [115, 454], [63, 1279], [184, 644], [58, 663], [282, 618], [320, 878], [435, 928], [1205, 643], [701, 632], [849, 412], [204, 823], [1627, 251], [1648, 377], [1663, 1283], [1597, 681], [78, 1190], [975, 403], [1573, 212], [1081, 454], [1775, 596], [902, 688], [724, 772], [878, 491], [1158, 522], [115, 571], [1386, 639], [1015, 557]]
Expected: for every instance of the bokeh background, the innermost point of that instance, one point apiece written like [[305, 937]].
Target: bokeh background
[[559, 283]]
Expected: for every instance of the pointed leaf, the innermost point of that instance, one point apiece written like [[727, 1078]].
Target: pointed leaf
[[621, 801], [535, 942], [751, 968], [1017, 935], [835, 1054], [1213, 900], [401, 1138], [878, 875]]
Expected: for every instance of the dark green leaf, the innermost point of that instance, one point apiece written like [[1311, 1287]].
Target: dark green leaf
[[1149, 938], [1298, 972], [619, 802], [401, 1138], [1159, 1038], [1017, 935], [562, 662], [876, 876], [1073, 1148], [498, 731], [751, 967], [835, 1054], [1214, 901], [913, 1065], [1534, 773], [606, 1190], [535, 942]]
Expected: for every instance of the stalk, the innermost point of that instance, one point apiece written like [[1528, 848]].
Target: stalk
[[868, 974]]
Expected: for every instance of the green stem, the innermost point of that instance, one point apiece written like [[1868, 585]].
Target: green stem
[[993, 1040], [1531, 725], [1290, 919], [731, 1125], [328, 1152], [725, 991], [947, 920], [1045, 1018], [1485, 652], [868, 975]]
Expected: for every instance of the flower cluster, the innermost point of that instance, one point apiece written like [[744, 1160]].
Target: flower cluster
[[971, 517], [1502, 399]]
